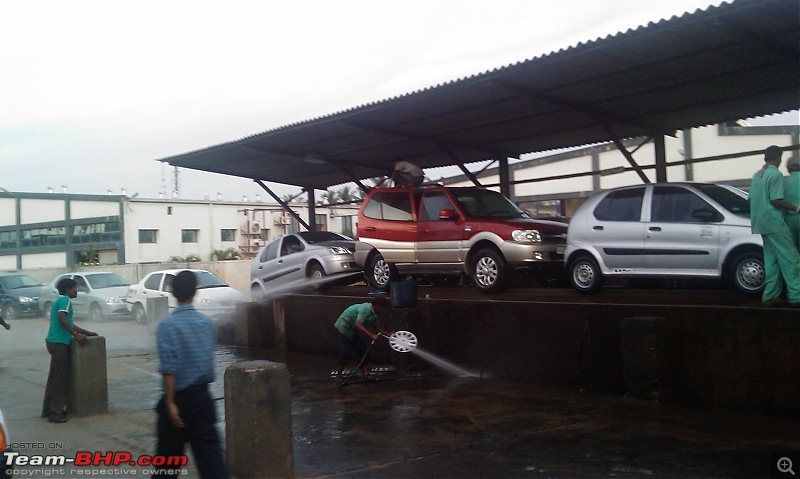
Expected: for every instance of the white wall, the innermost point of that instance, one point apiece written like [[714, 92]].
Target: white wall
[[36, 210], [90, 209], [8, 211]]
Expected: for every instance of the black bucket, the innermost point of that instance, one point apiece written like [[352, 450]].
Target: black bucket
[[403, 294]]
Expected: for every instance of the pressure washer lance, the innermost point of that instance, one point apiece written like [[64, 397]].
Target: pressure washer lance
[[400, 341]]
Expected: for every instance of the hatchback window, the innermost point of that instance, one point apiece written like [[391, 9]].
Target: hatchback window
[[673, 204], [393, 206], [623, 205], [432, 203], [291, 245], [735, 203], [270, 252]]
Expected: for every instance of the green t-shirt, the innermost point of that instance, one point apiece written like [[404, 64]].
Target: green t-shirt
[[766, 185], [57, 333], [362, 312]]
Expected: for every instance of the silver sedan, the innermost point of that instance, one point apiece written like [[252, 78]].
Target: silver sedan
[[301, 259]]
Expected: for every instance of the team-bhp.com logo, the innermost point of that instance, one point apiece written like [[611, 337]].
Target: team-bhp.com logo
[[87, 459]]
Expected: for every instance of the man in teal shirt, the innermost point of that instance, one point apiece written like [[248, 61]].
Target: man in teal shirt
[[767, 210], [358, 317], [59, 337], [791, 190]]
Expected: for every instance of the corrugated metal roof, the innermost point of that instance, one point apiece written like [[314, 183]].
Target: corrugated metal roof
[[737, 60]]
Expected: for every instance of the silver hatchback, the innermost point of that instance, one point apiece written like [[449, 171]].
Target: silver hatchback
[[667, 230]]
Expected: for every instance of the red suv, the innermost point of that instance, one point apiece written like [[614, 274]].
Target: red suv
[[446, 232]]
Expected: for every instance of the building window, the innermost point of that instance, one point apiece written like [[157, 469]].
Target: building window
[[228, 235], [148, 236], [322, 222], [189, 236], [347, 226], [169, 210]]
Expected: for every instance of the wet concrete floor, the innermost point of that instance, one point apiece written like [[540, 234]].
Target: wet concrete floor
[[414, 422]]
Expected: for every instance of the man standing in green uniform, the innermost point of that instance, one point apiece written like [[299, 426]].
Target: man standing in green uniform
[[791, 190], [358, 317], [767, 210], [61, 334]]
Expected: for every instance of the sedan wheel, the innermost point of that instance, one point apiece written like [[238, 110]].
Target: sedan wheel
[[95, 313], [585, 275], [139, 314], [9, 311], [315, 271]]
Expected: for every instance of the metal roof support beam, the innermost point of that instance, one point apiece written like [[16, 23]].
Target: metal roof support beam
[[505, 182], [282, 203], [661, 158], [312, 210], [460, 164], [627, 154]]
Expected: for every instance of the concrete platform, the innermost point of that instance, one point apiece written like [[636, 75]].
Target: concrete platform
[[416, 423]]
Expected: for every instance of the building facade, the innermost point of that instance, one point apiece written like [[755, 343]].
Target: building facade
[[45, 230]]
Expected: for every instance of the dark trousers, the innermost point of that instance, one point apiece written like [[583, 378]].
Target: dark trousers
[[199, 417], [55, 393], [347, 346]]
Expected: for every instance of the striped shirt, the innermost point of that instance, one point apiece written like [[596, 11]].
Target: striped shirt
[[185, 342]]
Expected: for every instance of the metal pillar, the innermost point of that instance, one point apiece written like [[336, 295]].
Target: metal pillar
[[661, 158]]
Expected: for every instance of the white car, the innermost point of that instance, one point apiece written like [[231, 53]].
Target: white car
[[214, 297], [665, 230]]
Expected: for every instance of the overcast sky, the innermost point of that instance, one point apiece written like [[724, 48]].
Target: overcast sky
[[92, 92]]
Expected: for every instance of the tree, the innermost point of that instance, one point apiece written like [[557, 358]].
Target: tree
[[330, 197], [90, 255]]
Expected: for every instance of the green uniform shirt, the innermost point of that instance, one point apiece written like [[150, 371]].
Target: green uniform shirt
[[363, 313], [766, 185], [57, 333]]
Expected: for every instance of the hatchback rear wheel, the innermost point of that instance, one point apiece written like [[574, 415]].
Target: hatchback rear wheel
[[748, 273]]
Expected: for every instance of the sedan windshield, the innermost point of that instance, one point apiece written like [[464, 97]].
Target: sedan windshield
[[206, 279], [18, 281], [478, 203], [106, 280], [312, 237]]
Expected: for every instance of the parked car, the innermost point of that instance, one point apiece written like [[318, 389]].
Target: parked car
[[665, 230], [295, 258], [100, 296], [19, 294], [214, 297], [6, 469], [446, 232]]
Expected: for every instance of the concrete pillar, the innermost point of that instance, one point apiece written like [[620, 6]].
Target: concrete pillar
[[157, 309], [258, 420], [87, 392], [248, 324]]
